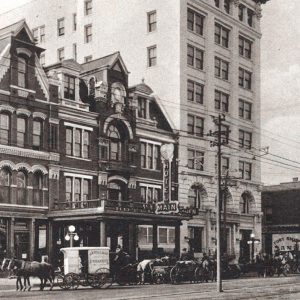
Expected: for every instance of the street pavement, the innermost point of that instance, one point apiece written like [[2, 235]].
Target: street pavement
[[246, 288]]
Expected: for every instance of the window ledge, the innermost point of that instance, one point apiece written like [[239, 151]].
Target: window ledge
[[245, 89], [196, 69], [23, 92], [152, 170], [75, 104], [79, 158], [223, 47], [195, 33]]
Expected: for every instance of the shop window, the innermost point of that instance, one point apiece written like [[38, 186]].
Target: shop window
[[166, 235], [21, 131], [4, 128], [22, 72], [145, 235]]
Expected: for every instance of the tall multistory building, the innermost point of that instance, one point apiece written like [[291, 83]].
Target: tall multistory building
[[202, 57]]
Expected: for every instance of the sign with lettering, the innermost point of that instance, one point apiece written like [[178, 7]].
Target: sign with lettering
[[98, 258], [285, 241], [170, 207]]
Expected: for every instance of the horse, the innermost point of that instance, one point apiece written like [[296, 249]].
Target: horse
[[27, 269], [4, 264]]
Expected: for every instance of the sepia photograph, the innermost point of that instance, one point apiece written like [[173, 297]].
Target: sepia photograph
[[149, 149]]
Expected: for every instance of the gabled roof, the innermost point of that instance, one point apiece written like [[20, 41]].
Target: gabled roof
[[108, 61], [15, 29]]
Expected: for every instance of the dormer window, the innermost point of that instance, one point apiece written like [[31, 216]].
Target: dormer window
[[22, 72], [142, 108], [69, 87]]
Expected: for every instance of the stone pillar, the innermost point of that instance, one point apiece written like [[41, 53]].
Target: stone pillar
[[31, 239], [233, 238], [177, 240], [103, 240], [207, 230], [132, 239], [11, 237], [155, 244]]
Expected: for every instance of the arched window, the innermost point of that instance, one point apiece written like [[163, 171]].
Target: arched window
[[21, 187], [245, 203], [197, 195], [4, 128], [115, 192], [115, 146], [5, 180], [22, 72], [37, 134], [37, 184]]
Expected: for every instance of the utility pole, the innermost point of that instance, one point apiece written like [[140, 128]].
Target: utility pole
[[218, 142]]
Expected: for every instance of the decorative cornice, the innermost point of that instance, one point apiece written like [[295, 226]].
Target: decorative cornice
[[24, 51], [5, 107], [23, 111], [39, 115], [22, 152], [23, 166]]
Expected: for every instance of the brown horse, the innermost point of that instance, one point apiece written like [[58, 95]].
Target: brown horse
[[28, 269]]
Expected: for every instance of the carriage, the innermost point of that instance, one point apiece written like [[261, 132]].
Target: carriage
[[85, 266], [185, 271]]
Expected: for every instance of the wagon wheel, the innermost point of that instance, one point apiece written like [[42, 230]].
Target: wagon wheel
[[156, 277], [174, 275], [72, 281], [103, 276], [93, 281], [60, 279]]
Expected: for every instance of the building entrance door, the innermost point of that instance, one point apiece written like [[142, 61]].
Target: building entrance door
[[22, 245], [244, 246]]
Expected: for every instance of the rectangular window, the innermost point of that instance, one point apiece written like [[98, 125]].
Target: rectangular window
[[88, 33], [61, 27], [86, 144], [245, 47], [245, 109], [22, 70], [152, 58], [245, 139], [69, 87], [245, 79], [150, 156], [88, 7], [74, 22], [195, 125], [250, 14], [69, 141], [195, 160], [195, 57], [69, 189], [142, 108], [151, 21], [61, 54], [195, 21], [77, 190], [166, 235], [217, 3], [221, 68], [150, 194], [245, 170], [21, 130], [224, 165], [4, 129], [221, 35], [42, 34], [195, 91], [145, 235], [241, 12], [227, 6], [42, 59], [77, 144], [75, 51], [37, 134], [225, 134], [221, 101]]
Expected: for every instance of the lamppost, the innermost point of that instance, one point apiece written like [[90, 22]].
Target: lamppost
[[71, 235], [252, 241]]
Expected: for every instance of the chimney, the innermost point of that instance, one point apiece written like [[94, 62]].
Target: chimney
[[295, 179]]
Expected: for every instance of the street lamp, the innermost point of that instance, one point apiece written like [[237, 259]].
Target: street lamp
[[252, 241], [71, 235]]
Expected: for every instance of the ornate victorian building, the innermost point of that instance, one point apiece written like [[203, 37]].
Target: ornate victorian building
[[79, 147]]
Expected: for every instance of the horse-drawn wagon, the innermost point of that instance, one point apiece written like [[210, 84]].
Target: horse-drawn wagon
[[86, 266]]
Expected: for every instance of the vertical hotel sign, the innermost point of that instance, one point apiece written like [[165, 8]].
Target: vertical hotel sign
[[166, 206]]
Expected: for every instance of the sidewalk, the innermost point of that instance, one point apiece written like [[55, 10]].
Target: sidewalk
[[10, 284]]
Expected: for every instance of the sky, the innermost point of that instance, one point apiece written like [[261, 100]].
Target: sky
[[280, 88]]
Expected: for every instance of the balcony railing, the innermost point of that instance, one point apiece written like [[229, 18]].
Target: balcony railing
[[116, 205]]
